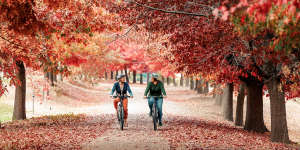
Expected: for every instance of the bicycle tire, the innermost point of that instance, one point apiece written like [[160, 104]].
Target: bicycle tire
[[122, 118], [118, 113], [154, 116]]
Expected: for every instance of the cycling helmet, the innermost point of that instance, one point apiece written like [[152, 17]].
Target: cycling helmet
[[154, 75], [120, 76]]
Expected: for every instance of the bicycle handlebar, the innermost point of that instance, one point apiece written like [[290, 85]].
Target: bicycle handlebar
[[119, 96], [155, 96]]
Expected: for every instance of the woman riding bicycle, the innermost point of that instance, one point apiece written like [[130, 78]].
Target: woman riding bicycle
[[156, 92], [121, 87]]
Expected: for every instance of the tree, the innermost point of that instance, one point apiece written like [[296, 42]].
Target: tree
[[134, 77], [174, 81], [227, 102], [168, 80], [278, 113], [187, 82], [141, 78], [192, 86], [240, 106], [19, 109], [181, 80], [273, 23], [27, 37], [148, 77], [254, 114], [206, 87], [111, 75]]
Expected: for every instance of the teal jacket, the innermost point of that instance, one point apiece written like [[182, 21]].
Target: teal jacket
[[155, 90], [118, 90]]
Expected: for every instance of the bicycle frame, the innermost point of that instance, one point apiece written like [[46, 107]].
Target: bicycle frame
[[120, 110], [155, 111]]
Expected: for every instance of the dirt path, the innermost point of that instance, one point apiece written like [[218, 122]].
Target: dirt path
[[138, 135], [191, 121], [185, 113]]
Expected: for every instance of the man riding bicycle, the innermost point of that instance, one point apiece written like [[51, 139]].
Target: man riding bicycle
[[121, 87], [156, 91]]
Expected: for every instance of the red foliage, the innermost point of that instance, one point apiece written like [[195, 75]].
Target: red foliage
[[53, 132], [213, 47], [193, 133], [74, 60]]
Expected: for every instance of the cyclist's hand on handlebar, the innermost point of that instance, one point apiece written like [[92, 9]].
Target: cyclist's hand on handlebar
[[165, 96], [131, 96], [145, 97]]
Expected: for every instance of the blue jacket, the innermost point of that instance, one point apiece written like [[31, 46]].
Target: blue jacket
[[117, 88]]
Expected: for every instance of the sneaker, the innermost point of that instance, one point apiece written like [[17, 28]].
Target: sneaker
[[160, 123]]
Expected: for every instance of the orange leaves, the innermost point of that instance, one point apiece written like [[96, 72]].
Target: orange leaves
[[53, 132], [195, 133], [74, 60], [56, 4]]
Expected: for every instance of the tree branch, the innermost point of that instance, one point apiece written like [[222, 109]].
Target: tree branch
[[121, 36], [12, 43], [168, 11]]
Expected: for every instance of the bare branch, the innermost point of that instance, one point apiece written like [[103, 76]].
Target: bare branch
[[121, 36], [202, 5], [168, 11]]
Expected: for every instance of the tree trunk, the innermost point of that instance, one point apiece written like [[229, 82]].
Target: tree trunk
[[106, 76], [122, 71], [206, 88], [163, 79], [52, 78], [20, 95], [227, 102], [192, 86], [134, 76], [254, 114], [62, 77], [117, 73], [148, 77], [126, 74], [174, 81], [111, 75], [196, 85], [199, 87], [187, 82], [218, 100], [141, 78], [181, 80], [239, 117], [47, 75], [279, 129], [168, 80], [214, 90]]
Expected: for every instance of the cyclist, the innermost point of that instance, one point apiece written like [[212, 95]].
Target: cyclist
[[121, 87], [155, 88]]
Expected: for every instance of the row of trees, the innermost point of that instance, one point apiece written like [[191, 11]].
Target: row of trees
[[63, 38], [38, 35], [250, 43], [253, 43]]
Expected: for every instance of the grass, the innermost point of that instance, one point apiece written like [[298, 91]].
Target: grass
[[6, 112]]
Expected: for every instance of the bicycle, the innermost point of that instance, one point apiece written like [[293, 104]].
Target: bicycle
[[120, 110], [155, 111]]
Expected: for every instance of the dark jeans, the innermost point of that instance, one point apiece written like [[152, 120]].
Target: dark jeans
[[159, 102]]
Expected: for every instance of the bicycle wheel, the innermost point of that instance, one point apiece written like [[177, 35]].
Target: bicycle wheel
[[154, 116], [118, 113], [121, 117]]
